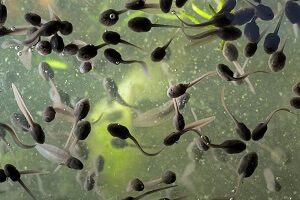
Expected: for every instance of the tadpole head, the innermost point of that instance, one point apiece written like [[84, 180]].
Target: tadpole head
[[49, 114], [158, 54], [81, 109], [168, 177], [12, 172], [243, 131], [118, 130], [109, 17], [171, 139], [135, 185], [248, 164], [259, 131], [66, 28], [74, 163], [82, 130], [175, 91], [37, 133], [250, 49]]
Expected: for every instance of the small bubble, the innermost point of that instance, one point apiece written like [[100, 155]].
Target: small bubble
[[117, 63], [13, 28], [19, 53], [17, 47], [233, 190]]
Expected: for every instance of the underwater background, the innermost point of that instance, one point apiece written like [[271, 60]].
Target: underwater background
[[278, 150]]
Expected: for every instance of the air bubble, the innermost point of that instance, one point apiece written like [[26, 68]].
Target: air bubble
[[19, 53], [13, 28], [17, 47]]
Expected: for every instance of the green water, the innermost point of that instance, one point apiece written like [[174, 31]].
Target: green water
[[210, 178]]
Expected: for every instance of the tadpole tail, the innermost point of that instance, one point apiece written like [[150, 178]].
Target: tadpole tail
[[225, 106], [211, 73], [153, 191], [191, 25], [101, 45], [130, 44], [142, 150], [249, 73], [142, 64], [275, 111], [27, 189], [12, 132], [34, 172]]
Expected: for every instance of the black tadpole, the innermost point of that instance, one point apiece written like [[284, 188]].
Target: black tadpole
[[110, 17], [114, 38], [33, 19], [122, 132], [295, 102], [177, 90], [143, 24], [178, 119], [3, 14], [230, 146], [159, 53], [240, 128], [89, 51], [260, 130], [49, 114], [296, 88], [115, 57], [227, 74], [148, 193]]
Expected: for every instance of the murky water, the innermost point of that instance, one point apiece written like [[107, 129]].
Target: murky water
[[199, 174]]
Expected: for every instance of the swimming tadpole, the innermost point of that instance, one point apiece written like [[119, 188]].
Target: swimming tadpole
[[115, 57], [140, 5], [143, 24], [45, 71], [112, 90], [227, 74], [159, 53], [110, 17], [271, 182], [260, 130], [167, 177], [89, 51], [43, 47], [178, 119], [122, 132], [85, 67], [114, 38], [240, 128], [148, 193], [230, 146], [18, 120], [99, 162], [177, 90]]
